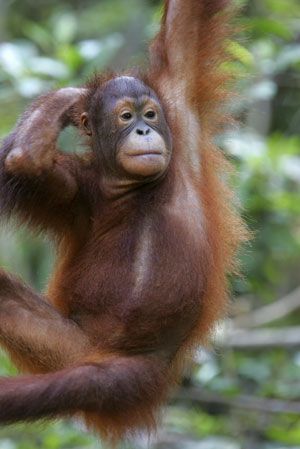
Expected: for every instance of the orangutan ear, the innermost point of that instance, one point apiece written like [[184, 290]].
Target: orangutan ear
[[84, 120]]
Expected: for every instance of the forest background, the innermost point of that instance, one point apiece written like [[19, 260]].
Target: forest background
[[244, 393]]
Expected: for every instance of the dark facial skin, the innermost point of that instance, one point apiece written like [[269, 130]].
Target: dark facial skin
[[129, 131]]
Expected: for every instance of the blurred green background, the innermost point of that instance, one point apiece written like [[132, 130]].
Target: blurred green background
[[244, 393]]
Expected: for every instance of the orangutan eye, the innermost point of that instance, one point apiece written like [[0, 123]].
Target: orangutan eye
[[126, 116], [150, 114]]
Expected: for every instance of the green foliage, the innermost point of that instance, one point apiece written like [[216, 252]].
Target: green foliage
[[196, 422], [270, 169], [56, 436]]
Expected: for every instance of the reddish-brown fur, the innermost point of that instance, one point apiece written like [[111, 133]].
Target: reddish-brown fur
[[112, 346]]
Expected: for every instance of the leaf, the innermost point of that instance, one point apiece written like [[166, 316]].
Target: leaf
[[240, 53]]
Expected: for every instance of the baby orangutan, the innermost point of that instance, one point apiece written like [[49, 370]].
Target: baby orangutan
[[145, 230]]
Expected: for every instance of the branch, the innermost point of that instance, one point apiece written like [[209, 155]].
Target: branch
[[243, 401], [260, 338], [279, 309]]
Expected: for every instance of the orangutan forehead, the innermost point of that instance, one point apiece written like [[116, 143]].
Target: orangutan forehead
[[128, 87], [132, 103]]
